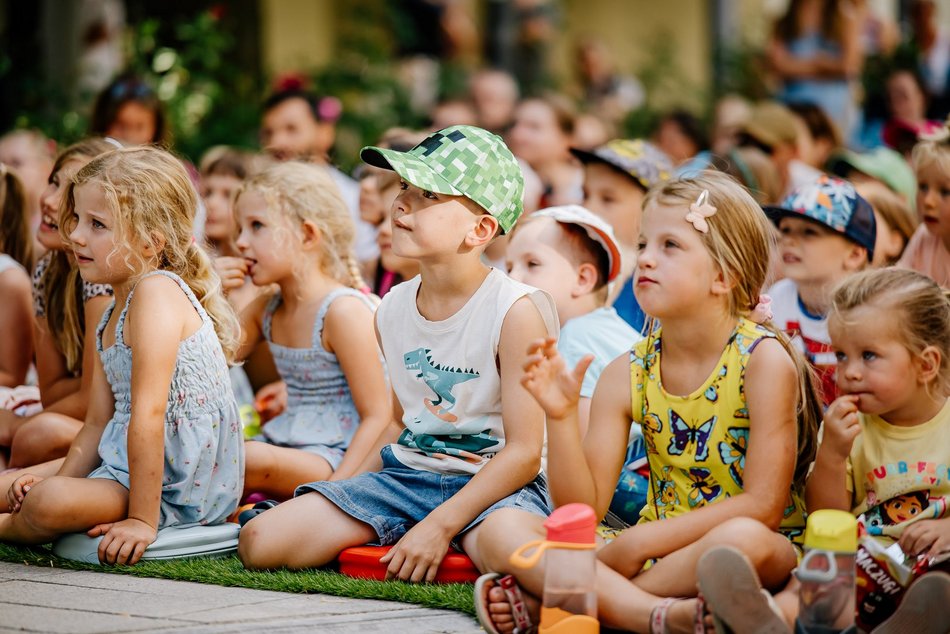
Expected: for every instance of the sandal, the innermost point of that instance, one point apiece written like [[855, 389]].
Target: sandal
[[658, 616], [254, 511], [924, 608], [735, 596], [519, 610]]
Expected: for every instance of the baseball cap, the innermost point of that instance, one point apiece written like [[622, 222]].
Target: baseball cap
[[598, 231], [833, 203], [881, 163], [460, 160], [639, 159], [771, 124]]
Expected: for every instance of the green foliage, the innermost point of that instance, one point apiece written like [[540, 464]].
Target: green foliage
[[228, 571]]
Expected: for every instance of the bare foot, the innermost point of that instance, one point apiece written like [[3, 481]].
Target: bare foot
[[501, 612]]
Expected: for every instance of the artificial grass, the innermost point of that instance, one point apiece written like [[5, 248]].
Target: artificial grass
[[228, 571]]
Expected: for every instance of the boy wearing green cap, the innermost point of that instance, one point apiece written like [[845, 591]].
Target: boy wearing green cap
[[467, 439]]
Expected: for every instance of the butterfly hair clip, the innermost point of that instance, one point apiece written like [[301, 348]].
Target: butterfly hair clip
[[699, 211]]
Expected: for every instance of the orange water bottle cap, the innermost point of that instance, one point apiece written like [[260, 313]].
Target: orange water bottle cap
[[572, 523]]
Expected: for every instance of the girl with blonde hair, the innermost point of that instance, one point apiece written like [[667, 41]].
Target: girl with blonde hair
[[297, 234], [161, 410], [728, 410], [63, 306]]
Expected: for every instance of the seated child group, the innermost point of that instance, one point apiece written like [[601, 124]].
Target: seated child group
[[762, 368]]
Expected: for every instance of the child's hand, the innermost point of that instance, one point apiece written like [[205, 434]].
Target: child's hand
[[841, 425], [123, 542], [926, 537], [416, 557], [271, 400], [547, 379], [232, 272], [18, 490]]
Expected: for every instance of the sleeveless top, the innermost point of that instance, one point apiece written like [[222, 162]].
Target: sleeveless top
[[696, 444], [204, 446], [445, 373], [321, 417], [39, 292]]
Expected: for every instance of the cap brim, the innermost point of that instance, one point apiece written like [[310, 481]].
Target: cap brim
[[410, 168], [586, 156], [612, 250]]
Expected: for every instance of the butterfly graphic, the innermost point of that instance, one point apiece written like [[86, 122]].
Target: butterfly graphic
[[712, 394], [684, 435], [732, 451], [702, 491], [651, 425], [666, 494]]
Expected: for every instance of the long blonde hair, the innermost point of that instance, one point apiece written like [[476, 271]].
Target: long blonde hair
[[61, 285], [302, 192], [920, 307], [154, 203], [740, 240]]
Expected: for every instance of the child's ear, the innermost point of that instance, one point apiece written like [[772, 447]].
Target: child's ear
[[722, 284], [154, 246], [484, 231], [928, 364], [311, 235], [586, 280], [856, 259]]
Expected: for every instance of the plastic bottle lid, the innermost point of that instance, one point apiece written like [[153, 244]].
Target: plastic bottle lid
[[572, 523], [832, 530]]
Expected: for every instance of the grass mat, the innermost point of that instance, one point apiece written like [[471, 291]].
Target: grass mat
[[228, 571]]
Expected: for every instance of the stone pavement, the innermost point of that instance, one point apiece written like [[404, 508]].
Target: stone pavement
[[51, 600]]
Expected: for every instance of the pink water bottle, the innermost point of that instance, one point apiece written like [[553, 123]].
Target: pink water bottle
[[569, 604]]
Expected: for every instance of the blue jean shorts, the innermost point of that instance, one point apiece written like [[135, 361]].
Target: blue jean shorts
[[397, 498]]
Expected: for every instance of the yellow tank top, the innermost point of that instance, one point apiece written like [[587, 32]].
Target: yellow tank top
[[696, 444]]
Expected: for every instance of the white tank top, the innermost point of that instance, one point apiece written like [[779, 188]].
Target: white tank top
[[445, 373]]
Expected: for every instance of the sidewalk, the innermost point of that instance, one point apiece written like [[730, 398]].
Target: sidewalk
[[35, 599]]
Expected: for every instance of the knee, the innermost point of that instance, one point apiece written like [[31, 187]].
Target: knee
[[256, 545], [42, 439], [41, 508], [750, 536], [502, 532]]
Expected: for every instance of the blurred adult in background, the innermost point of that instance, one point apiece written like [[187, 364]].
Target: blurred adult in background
[[130, 111], [605, 92], [815, 51], [906, 99], [298, 125], [494, 93], [932, 47]]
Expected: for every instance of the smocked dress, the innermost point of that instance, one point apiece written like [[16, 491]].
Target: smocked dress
[[204, 449], [696, 444], [321, 417]]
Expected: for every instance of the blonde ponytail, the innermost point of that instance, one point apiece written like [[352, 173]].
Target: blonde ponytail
[[200, 276]]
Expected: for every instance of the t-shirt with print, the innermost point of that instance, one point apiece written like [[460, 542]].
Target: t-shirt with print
[[898, 475], [445, 373], [808, 332]]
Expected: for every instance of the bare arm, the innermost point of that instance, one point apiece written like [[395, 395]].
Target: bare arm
[[251, 326], [346, 328], [16, 325], [827, 484]]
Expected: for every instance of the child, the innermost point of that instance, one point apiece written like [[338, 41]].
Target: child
[[63, 305], [161, 410], [894, 221], [929, 249], [890, 329], [16, 258], [616, 179], [391, 269], [467, 436], [727, 409], [572, 254], [827, 233], [129, 110], [296, 233]]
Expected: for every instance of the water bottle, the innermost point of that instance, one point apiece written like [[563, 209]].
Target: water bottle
[[826, 574], [569, 603]]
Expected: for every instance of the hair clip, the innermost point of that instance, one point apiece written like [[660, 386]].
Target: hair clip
[[699, 211], [940, 135], [114, 142], [762, 311]]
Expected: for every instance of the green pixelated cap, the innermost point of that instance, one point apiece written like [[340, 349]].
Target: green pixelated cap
[[461, 160]]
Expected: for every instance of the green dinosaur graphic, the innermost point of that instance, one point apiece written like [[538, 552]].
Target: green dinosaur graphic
[[465, 446], [440, 379]]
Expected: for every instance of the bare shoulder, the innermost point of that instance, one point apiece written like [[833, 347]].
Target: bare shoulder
[[523, 314], [346, 308], [770, 360], [15, 280]]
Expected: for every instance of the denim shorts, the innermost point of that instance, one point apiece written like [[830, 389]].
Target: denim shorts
[[397, 498]]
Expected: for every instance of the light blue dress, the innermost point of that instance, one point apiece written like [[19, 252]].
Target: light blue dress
[[321, 417], [204, 448]]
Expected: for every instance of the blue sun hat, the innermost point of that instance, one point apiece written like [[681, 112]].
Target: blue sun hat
[[832, 203], [461, 160]]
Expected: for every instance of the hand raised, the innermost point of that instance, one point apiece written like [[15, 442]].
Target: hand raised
[[548, 379]]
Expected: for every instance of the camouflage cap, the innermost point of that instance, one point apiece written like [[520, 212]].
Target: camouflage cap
[[461, 160]]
